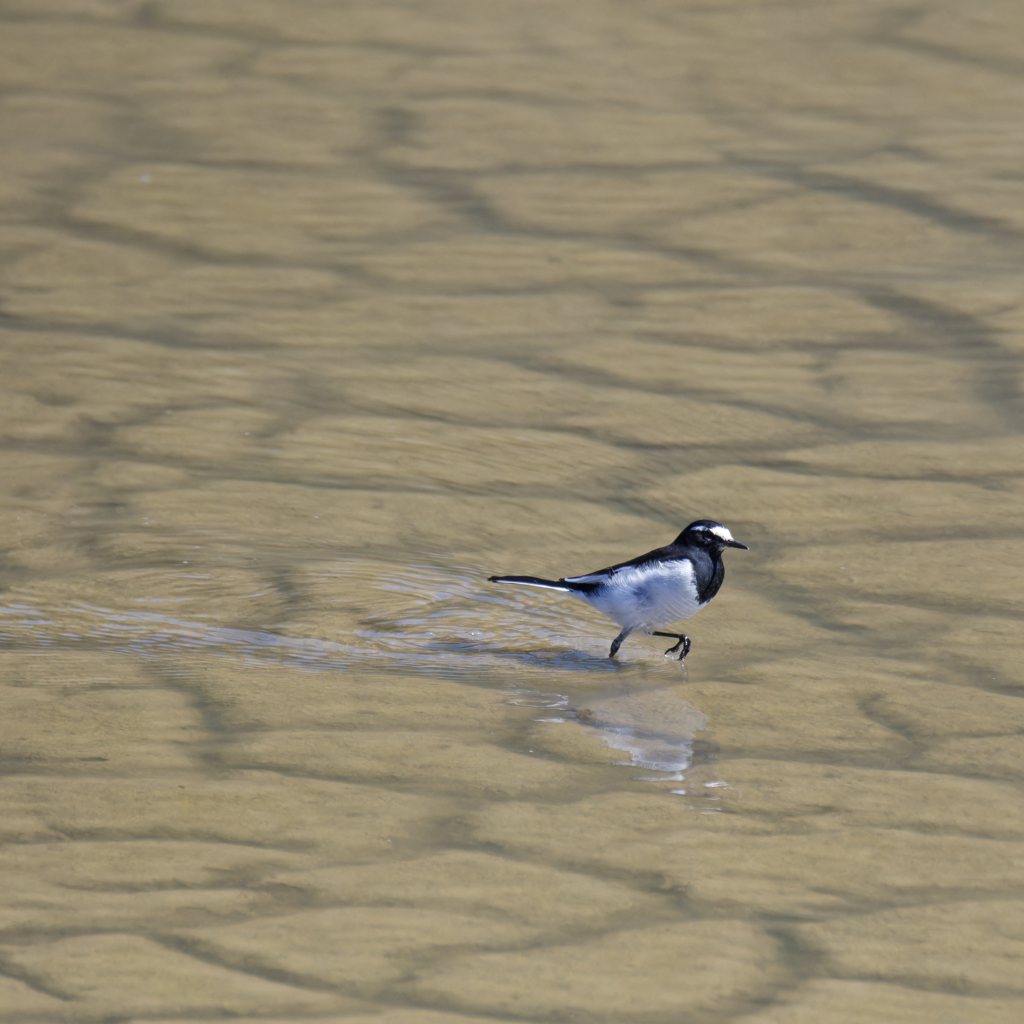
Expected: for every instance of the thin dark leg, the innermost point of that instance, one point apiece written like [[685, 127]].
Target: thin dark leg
[[684, 642], [617, 642]]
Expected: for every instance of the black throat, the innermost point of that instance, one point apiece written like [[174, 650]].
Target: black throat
[[708, 570]]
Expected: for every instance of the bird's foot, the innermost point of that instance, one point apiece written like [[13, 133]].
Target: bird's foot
[[684, 642], [617, 642]]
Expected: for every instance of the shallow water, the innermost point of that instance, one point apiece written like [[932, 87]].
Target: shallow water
[[315, 315]]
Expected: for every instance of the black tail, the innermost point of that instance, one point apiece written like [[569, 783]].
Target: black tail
[[534, 581]]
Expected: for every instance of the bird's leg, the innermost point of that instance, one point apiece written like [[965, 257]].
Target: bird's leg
[[684, 642], [617, 642]]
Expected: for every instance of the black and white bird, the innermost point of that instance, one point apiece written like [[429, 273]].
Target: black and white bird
[[664, 586]]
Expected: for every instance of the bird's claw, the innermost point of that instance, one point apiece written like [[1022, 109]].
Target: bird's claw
[[684, 642]]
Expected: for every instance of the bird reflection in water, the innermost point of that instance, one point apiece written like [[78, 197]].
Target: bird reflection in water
[[658, 731]]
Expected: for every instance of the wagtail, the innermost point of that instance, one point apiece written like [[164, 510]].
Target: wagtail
[[664, 586]]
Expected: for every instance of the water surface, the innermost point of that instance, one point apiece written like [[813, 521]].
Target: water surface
[[314, 315]]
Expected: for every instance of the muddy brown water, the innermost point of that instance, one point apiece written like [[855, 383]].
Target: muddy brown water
[[314, 315]]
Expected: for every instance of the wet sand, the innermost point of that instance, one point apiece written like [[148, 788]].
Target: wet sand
[[314, 316]]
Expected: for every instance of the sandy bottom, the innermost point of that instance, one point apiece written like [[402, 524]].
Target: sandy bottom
[[316, 315]]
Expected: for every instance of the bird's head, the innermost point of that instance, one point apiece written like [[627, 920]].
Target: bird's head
[[705, 533]]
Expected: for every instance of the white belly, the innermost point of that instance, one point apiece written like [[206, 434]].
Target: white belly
[[648, 597]]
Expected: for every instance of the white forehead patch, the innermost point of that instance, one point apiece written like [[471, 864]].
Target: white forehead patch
[[721, 532]]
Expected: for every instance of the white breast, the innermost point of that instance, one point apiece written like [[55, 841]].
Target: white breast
[[648, 596]]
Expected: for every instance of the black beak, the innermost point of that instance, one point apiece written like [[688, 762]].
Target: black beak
[[736, 544]]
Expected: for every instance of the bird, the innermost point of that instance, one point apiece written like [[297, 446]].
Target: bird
[[658, 588]]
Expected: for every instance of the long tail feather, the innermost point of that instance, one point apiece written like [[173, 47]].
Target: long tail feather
[[533, 581]]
